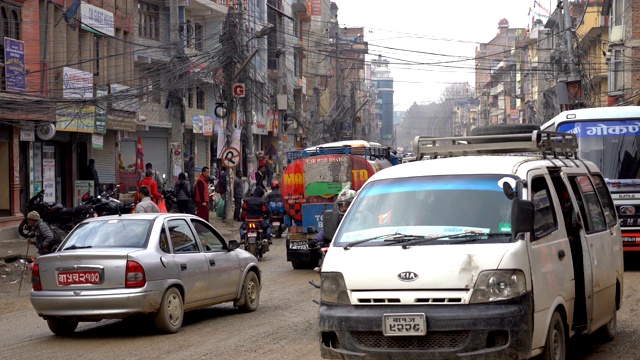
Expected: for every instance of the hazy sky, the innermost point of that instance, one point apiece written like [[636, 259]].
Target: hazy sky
[[449, 30]]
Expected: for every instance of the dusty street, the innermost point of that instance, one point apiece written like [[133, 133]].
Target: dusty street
[[282, 328]]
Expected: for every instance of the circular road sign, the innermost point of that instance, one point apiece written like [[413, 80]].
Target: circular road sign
[[230, 157]]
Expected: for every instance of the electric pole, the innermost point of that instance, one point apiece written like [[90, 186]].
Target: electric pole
[[568, 35], [176, 108]]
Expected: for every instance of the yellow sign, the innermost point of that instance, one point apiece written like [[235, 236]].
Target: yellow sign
[[76, 119]]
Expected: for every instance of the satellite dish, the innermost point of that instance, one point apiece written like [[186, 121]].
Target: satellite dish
[[46, 131]]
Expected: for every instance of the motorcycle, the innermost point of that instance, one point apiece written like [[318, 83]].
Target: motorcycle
[[107, 203], [54, 214], [254, 241], [276, 218]]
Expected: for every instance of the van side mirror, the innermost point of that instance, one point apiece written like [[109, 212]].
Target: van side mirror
[[330, 222], [522, 213]]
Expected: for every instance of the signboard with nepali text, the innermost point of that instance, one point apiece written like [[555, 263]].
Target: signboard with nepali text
[[14, 67], [97, 20]]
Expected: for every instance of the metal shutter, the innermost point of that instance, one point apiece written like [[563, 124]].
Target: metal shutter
[[156, 152], [106, 159], [201, 153]]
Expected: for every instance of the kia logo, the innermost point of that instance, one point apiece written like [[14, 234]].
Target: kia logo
[[407, 276], [627, 210]]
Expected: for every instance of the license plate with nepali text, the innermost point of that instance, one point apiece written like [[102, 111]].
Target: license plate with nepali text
[[78, 277]]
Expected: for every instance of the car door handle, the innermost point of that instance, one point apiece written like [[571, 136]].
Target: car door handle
[[212, 262], [561, 254], [183, 267]]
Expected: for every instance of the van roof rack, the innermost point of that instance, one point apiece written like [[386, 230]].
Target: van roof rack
[[547, 143]]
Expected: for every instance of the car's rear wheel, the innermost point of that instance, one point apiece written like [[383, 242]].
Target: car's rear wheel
[[250, 293], [169, 318], [556, 346], [62, 327]]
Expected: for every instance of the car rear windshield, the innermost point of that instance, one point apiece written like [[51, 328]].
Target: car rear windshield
[[109, 233]]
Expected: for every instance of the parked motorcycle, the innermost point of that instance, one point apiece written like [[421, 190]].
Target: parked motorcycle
[[254, 239], [54, 214], [108, 204]]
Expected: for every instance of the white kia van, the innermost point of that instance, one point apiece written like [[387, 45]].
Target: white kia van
[[499, 247]]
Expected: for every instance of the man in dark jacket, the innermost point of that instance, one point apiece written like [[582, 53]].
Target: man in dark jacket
[[44, 238], [255, 207], [92, 174], [260, 177], [238, 191]]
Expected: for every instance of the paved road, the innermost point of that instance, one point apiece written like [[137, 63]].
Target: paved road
[[282, 328]]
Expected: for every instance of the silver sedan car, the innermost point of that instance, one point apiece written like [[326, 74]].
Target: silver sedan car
[[113, 267]]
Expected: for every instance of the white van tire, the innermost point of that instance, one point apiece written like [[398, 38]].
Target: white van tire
[[556, 346], [608, 331]]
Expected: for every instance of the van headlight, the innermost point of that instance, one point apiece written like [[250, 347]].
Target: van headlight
[[497, 285], [333, 289]]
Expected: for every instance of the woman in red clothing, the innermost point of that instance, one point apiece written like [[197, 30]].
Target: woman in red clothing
[[201, 195]]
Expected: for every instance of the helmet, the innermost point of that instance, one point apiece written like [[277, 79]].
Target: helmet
[[275, 185], [344, 199]]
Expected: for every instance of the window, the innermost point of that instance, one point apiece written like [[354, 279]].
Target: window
[[189, 33], [200, 98], [210, 241], [605, 199], [181, 237], [190, 98], [150, 86], [544, 220], [616, 70], [148, 20], [618, 10], [104, 234], [199, 41], [9, 24], [589, 204]]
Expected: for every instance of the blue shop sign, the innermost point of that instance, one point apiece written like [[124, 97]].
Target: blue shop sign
[[14, 67], [602, 128]]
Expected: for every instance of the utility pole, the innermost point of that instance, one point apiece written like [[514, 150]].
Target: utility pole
[[568, 36], [175, 93]]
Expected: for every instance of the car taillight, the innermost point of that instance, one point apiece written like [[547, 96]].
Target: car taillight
[[135, 275], [35, 278]]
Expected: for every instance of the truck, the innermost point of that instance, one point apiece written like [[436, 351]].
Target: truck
[[311, 182]]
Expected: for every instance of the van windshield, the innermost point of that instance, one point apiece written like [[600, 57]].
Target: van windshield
[[429, 207]]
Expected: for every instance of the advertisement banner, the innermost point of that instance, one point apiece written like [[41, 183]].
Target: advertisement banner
[[76, 84], [208, 126], [222, 141], [49, 173], [198, 122], [101, 110], [97, 141], [124, 98], [96, 20], [14, 67], [177, 162], [76, 119], [80, 188]]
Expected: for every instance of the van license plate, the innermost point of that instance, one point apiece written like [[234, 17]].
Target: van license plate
[[298, 245], [404, 325]]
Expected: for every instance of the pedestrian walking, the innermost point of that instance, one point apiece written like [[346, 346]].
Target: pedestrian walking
[[271, 169], [201, 194], [182, 189], [92, 174], [156, 176], [145, 205], [238, 191], [260, 175], [152, 185]]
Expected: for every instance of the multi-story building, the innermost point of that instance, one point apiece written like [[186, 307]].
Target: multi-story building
[[383, 83], [592, 33], [622, 51], [536, 70], [496, 77], [23, 109]]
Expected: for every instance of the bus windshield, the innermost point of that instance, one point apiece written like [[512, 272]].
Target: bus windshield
[[612, 145]]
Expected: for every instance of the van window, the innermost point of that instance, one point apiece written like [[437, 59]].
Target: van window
[[544, 221], [589, 205], [428, 206], [605, 199]]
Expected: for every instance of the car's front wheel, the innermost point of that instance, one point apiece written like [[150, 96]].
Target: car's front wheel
[[250, 293], [62, 327], [169, 318]]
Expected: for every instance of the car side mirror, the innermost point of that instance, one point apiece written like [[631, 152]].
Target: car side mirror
[[234, 244], [522, 213]]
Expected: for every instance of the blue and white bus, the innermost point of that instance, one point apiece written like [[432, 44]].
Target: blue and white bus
[[610, 137]]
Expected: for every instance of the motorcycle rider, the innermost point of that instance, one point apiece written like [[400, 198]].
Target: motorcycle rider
[[274, 197], [342, 202], [255, 207], [44, 238]]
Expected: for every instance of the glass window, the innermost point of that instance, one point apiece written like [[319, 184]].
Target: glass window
[[605, 199], [430, 206], [200, 98], [108, 233], [210, 241], [181, 237], [148, 20], [199, 35], [589, 204], [544, 221], [164, 241]]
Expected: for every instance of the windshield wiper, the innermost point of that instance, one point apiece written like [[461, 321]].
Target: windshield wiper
[[386, 237], [464, 238], [74, 247]]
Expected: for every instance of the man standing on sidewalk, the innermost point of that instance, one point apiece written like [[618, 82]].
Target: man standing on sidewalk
[[201, 194], [238, 190]]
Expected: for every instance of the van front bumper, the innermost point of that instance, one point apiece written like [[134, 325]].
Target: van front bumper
[[479, 331]]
